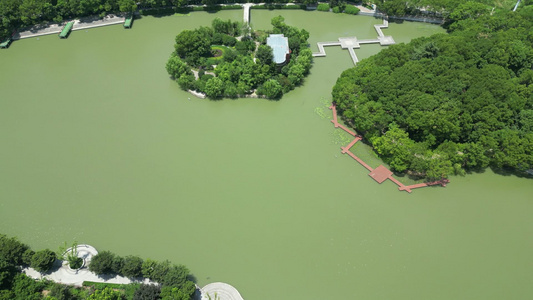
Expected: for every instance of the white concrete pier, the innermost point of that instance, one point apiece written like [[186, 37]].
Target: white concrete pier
[[352, 43]]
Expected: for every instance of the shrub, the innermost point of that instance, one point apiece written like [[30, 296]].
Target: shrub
[[351, 10], [107, 293], [74, 261], [102, 263], [43, 260], [323, 7], [336, 10]]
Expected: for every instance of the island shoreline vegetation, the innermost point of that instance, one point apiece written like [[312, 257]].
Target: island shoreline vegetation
[[449, 103], [173, 282], [231, 60]]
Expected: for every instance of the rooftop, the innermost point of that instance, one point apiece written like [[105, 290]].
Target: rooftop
[[280, 47]]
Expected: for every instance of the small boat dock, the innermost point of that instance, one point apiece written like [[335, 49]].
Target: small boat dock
[[66, 30], [5, 44], [128, 21]]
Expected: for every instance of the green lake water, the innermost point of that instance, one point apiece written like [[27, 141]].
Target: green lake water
[[98, 145]]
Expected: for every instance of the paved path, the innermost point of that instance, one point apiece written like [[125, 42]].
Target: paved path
[[220, 291], [79, 24], [352, 43], [63, 274], [246, 7]]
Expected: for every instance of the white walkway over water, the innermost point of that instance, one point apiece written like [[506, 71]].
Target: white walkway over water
[[352, 43]]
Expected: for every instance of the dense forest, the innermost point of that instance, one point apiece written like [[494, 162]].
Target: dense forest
[[243, 65], [441, 7], [449, 103]]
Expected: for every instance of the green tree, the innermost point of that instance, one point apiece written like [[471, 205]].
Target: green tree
[[264, 54], [148, 268], [395, 146], [102, 263], [12, 250], [147, 292], [26, 288], [214, 87], [43, 260], [127, 5], [272, 89], [176, 67], [132, 266], [7, 273], [192, 44], [61, 292]]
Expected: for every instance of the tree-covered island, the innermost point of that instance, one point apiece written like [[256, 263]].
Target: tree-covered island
[[232, 60], [449, 103]]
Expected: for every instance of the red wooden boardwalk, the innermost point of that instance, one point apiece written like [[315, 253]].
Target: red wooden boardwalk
[[380, 174]]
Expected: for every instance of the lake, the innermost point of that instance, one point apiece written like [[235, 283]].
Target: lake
[[99, 146]]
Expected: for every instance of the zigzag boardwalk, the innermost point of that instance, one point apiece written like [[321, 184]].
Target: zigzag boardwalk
[[381, 173]]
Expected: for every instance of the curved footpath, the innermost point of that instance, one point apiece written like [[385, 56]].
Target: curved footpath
[[62, 273]]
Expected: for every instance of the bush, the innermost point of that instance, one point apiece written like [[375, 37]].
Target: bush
[[336, 9], [43, 260], [102, 263], [323, 7], [107, 294], [351, 10]]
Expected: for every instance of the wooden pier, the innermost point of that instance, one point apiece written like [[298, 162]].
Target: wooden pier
[[381, 173]]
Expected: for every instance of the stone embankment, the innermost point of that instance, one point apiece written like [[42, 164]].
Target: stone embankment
[[79, 24]]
